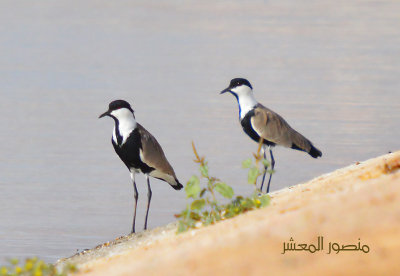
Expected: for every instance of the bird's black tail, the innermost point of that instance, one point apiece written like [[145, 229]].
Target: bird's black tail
[[178, 186], [314, 152]]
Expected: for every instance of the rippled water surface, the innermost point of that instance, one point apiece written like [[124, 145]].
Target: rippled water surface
[[331, 68]]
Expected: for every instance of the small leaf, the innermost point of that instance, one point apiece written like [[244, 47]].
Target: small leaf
[[252, 175], [14, 261], [194, 216], [264, 200], [208, 221], [182, 227], [198, 204], [224, 189], [192, 188], [247, 204], [266, 163], [202, 192], [246, 163], [28, 264], [204, 170], [18, 270], [4, 271]]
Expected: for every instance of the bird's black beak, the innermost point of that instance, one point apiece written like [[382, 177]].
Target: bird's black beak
[[107, 113], [228, 89]]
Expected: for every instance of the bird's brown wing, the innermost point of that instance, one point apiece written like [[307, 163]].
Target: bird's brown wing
[[272, 127], [152, 153]]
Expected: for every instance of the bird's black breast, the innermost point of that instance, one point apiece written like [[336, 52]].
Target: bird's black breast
[[249, 130], [129, 152]]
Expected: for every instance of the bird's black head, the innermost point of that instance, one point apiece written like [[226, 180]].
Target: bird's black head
[[235, 84], [116, 105]]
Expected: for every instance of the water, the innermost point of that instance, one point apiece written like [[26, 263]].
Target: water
[[330, 68]]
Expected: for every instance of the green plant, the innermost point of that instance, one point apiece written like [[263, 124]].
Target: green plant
[[256, 167], [204, 207], [34, 267]]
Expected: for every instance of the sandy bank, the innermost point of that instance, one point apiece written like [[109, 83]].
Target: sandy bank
[[359, 203]]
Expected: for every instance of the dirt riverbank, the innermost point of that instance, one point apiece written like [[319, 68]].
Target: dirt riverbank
[[356, 204]]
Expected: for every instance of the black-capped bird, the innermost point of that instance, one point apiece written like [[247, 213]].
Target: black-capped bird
[[139, 151], [259, 122]]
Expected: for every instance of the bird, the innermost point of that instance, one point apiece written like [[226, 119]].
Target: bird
[[139, 151], [260, 122]]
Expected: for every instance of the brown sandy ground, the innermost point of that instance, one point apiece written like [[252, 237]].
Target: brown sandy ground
[[359, 203]]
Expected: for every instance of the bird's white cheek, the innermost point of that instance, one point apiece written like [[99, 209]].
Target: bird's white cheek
[[242, 90]]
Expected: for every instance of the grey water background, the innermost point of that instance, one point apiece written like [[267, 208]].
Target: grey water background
[[331, 68]]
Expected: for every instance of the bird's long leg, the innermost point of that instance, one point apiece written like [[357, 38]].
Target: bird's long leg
[[149, 193], [266, 167], [272, 167], [136, 195]]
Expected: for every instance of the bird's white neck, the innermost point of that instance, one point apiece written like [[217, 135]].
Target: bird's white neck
[[246, 103], [124, 125]]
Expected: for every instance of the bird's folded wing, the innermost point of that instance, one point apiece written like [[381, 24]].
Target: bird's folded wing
[[152, 153], [272, 127]]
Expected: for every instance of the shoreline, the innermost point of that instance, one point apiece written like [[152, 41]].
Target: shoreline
[[354, 204]]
